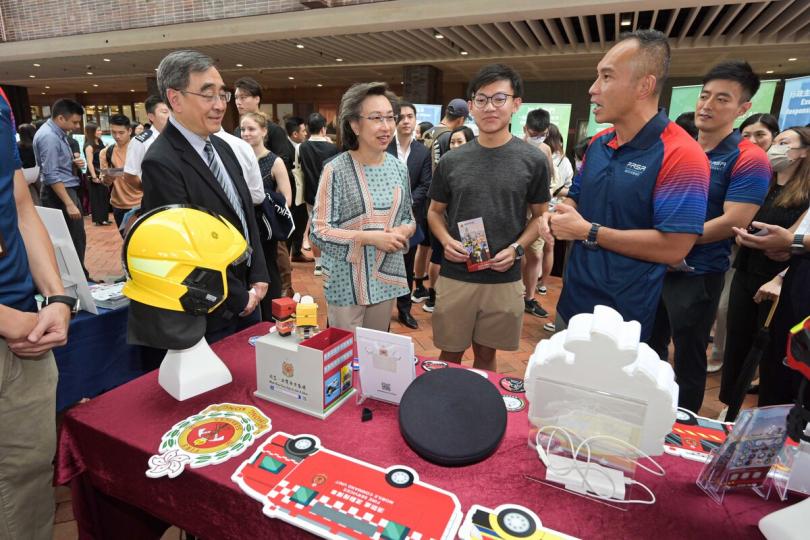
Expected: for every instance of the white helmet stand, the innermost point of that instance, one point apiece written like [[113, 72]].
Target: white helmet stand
[[190, 372]]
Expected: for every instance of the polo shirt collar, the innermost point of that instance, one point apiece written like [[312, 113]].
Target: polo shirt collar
[[649, 134], [727, 145]]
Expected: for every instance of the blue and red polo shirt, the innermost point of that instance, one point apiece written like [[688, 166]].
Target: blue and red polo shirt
[[16, 285], [659, 180], [740, 172]]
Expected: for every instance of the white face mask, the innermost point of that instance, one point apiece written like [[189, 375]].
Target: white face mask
[[778, 156], [537, 140]]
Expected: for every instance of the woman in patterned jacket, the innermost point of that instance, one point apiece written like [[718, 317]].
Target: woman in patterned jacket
[[362, 216]]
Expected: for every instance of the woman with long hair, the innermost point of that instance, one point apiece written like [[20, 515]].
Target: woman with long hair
[[253, 129], [757, 278], [99, 192], [362, 216]]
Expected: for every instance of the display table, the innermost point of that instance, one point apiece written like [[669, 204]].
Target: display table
[[96, 357], [104, 446]]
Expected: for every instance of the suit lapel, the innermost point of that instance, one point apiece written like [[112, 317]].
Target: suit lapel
[[193, 159]]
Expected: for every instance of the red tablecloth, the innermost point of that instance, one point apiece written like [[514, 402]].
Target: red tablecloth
[[104, 446]]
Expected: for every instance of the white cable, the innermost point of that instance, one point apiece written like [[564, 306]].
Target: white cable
[[575, 452]]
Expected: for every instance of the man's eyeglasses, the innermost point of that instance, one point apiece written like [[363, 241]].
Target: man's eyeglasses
[[381, 120], [224, 97], [498, 100]]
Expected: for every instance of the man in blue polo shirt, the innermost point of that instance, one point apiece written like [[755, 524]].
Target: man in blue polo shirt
[[60, 185], [639, 200], [740, 175], [27, 367]]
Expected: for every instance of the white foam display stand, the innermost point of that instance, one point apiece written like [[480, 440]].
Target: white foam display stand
[[600, 354], [787, 524], [190, 372]]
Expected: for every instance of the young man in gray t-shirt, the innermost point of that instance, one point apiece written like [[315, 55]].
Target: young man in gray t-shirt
[[494, 178]]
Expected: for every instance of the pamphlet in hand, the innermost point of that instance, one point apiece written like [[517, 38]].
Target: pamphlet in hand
[[475, 243]]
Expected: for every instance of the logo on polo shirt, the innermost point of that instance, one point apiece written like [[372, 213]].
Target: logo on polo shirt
[[634, 168], [718, 165]]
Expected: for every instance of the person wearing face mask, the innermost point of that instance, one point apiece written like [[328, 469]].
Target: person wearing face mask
[[752, 289], [362, 218], [761, 129], [535, 130]]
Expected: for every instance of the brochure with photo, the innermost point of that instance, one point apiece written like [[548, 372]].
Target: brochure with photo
[[475, 242]]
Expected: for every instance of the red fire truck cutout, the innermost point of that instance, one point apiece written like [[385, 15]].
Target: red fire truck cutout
[[694, 437], [335, 496]]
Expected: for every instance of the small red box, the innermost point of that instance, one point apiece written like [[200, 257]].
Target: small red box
[[283, 308]]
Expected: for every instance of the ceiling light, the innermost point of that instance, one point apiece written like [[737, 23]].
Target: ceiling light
[[338, 59], [43, 93], [95, 86], [132, 90], [769, 71], [464, 53], [156, 69], [299, 45], [291, 78], [106, 59], [319, 85], [48, 87], [84, 92], [36, 65], [401, 82], [33, 76], [239, 65], [626, 22], [438, 36], [789, 60], [89, 72]]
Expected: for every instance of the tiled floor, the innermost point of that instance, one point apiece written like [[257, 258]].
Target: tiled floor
[[103, 260]]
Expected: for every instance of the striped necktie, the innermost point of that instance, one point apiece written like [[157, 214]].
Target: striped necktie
[[227, 187]]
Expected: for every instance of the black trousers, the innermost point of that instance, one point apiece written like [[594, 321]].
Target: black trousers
[[686, 314], [745, 318], [300, 217], [99, 201], [779, 384], [75, 226], [404, 302]]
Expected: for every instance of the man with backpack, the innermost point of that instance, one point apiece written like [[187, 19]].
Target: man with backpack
[[437, 139]]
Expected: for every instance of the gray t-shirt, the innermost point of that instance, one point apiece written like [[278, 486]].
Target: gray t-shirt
[[497, 185]]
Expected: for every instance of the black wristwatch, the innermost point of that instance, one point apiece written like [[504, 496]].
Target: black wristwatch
[[69, 301], [797, 247], [519, 252], [590, 242]]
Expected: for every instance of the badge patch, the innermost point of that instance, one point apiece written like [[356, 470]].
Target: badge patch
[[430, 365], [209, 437], [514, 403], [512, 384]]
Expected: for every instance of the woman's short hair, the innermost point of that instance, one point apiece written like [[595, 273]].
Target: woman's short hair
[[469, 135], [352, 103]]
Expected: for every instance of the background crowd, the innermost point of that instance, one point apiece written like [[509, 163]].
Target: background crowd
[[693, 229]]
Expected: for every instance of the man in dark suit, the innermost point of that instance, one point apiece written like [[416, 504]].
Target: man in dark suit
[[187, 164], [414, 154]]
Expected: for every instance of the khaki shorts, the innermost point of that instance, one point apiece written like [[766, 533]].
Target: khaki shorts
[[537, 246], [487, 314]]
